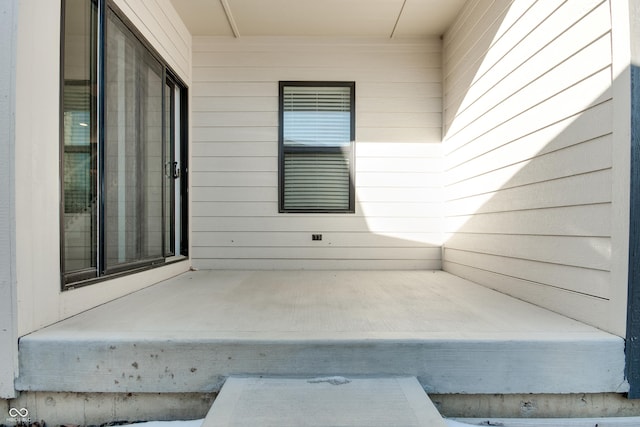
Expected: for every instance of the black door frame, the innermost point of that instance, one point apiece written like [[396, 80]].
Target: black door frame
[[632, 370]]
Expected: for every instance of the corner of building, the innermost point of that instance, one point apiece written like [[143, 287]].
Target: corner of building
[[8, 320]]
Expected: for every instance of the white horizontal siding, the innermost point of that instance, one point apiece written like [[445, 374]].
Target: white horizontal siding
[[586, 220], [567, 191], [287, 238], [556, 299], [315, 224], [370, 209], [577, 159], [531, 39], [591, 128], [340, 72], [315, 264], [580, 280], [565, 250], [528, 148], [399, 211]]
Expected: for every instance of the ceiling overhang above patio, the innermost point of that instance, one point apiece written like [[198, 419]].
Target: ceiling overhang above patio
[[321, 18]]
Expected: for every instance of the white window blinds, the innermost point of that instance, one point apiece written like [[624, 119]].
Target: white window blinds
[[317, 116], [316, 138]]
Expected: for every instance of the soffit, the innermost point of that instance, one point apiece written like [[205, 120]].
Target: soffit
[[328, 18]]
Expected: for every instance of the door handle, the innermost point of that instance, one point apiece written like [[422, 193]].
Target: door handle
[[176, 170]]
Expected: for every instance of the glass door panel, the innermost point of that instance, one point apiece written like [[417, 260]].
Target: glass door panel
[[133, 149], [79, 154], [171, 170]]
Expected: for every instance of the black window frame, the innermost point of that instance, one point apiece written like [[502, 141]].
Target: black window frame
[[80, 278], [283, 149]]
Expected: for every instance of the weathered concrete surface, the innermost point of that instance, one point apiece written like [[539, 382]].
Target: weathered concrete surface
[[101, 408], [189, 333], [320, 402], [536, 405]]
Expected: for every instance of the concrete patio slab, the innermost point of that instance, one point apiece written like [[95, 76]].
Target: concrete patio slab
[[190, 333]]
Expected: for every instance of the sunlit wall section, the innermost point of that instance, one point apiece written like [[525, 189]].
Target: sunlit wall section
[[397, 223], [528, 142]]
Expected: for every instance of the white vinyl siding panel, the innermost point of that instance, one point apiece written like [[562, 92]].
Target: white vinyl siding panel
[[528, 149], [398, 220]]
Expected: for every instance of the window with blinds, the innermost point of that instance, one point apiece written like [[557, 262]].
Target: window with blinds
[[317, 134]]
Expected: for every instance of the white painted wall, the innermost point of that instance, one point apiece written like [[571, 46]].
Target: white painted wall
[[8, 317], [40, 301], [529, 137], [235, 219]]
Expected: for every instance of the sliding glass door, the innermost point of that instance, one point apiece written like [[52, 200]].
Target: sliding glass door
[[123, 174], [133, 150]]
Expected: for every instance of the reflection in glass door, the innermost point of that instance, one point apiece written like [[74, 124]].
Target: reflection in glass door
[[79, 139]]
